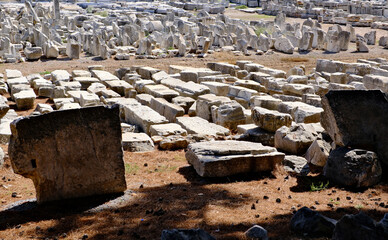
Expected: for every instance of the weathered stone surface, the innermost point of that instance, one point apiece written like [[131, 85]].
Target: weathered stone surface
[[198, 125], [142, 116], [184, 102], [167, 130], [282, 44], [296, 139], [357, 119], [226, 158], [358, 226], [1, 157], [308, 222], [137, 142], [296, 165], [270, 120], [256, 232], [318, 153], [33, 53], [205, 102], [25, 99], [173, 142], [4, 107], [353, 167], [258, 135], [69, 154], [376, 82], [186, 234], [228, 115], [266, 101], [166, 109]]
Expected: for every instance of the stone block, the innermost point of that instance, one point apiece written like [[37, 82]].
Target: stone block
[[137, 142], [226, 158], [270, 120], [78, 156]]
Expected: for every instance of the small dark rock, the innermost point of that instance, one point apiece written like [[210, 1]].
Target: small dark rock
[[265, 197], [85, 236], [160, 212], [256, 232], [186, 234], [278, 200], [311, 223], [253, 206]]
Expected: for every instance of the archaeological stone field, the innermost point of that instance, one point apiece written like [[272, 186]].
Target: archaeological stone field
[[194, 119]]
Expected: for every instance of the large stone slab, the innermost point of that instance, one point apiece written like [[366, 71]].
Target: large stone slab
[[142, 116], [226, 158], [69, 154], [198, 125], [357, 119]]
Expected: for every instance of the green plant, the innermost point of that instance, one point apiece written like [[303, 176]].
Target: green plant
[[320, 186], [166, 168], [131, 168], [89, 9], [358, 206], [335, 202], [170, 48], [242, 7], [102, 13], [45, 72], [260, 30]]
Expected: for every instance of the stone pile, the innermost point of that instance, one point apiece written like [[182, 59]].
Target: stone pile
[[155, 30], [266, 106], [356, 13]]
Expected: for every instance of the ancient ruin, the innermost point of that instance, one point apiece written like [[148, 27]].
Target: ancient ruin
[[211, 119]]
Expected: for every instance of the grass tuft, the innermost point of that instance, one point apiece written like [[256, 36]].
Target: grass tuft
[[320, 186], [242, 7]]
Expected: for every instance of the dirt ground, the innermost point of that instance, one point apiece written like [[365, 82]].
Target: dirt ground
[[164, 192]]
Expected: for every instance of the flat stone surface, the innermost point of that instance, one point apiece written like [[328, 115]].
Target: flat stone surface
[[137, 142], [167, 130], [226, 158], [197, 125], [270, 120], [69, 154]]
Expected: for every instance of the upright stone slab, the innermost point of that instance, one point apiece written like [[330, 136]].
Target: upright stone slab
[[70, 154], [357, 119], [226, 158]]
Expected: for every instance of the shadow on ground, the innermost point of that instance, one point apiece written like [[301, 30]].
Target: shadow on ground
[[145, 213]]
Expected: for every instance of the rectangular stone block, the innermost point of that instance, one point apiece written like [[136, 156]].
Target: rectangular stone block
[[226, 158], [70, 154]]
